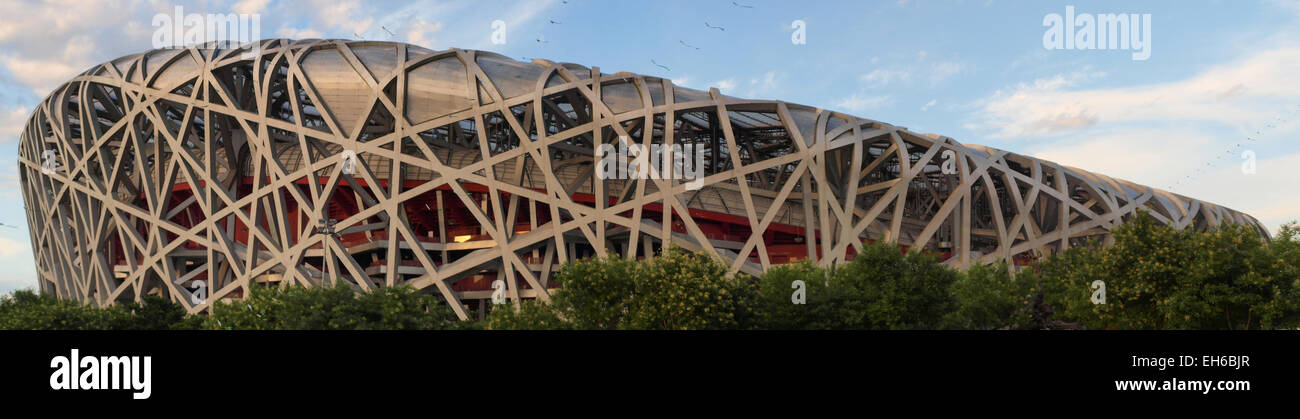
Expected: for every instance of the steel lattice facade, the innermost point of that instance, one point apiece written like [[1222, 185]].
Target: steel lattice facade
[[197, 173]]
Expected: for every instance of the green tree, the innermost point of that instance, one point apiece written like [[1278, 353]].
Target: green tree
[[680, 290], [778, 308], [27, 310], [990, 297], [677, 290], [888, 290], [157, 313], [339, 307], [1158, 277], [595, 293], [531, 315], [880, 289]]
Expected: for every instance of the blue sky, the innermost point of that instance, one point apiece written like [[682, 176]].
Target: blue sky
[[974, 70]]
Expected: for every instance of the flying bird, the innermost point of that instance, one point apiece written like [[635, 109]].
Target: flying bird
[[715, 27], [390, 33], [741, 5], [688, 45], [652, 61]]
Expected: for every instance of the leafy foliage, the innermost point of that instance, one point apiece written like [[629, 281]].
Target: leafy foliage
[[531, 315], [880, 289], [595, 293], [989, 297], [156, 313], [677, 290], [681, 290], [321, 308], [28, 310], [778, 308], [1157, 277]]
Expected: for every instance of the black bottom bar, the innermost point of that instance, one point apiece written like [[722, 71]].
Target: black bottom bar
[[213, 368]]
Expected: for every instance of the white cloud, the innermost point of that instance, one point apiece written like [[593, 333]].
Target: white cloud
[[882, 77], [766, 85], [10, 247], [10, 187], [935, 72], [941, 71], [43, 72], [12, 120], [250, 6], [858, 103], [55, 17], [1292, 6], [295, 33], [725, 85], [929, 104], [346, 15], [421, 33], [1244, 91], [16, 254], [55, 40]]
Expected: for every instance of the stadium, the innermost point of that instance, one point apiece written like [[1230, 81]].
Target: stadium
[[197, 173]]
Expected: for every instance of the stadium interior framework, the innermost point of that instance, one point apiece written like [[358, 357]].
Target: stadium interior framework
[[197, 173]]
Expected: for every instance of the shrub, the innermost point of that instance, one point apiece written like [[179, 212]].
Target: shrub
[[778, 309], [531, 315], [595, 293], [1157, 277], [157, 313], [27, 310], [880, 289], [989, 297], [678, 290], [298, 308]]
